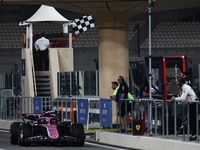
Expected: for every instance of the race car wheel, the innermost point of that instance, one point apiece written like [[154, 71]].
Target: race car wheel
[[25, 130], [14, 132], [78, 131]]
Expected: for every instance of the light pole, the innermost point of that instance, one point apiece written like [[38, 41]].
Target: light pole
[[151, 5], [138, 29]]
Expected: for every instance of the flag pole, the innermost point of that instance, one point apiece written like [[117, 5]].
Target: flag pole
[[150, 95]]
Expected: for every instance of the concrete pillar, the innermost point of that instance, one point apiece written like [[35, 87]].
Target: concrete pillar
[[113, 51], [113, 58]]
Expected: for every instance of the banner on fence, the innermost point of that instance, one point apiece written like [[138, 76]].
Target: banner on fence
[[37, 105], [105, 112], [82, 106]]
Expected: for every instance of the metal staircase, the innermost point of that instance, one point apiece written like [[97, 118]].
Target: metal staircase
[[43, 84]]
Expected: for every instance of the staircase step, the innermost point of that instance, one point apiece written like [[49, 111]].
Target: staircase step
[[42, 79], [44, 92], [42, 73], [43, 88], [43, 83], [44, 95]]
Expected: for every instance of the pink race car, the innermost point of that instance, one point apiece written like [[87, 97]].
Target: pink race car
[[46, 128]]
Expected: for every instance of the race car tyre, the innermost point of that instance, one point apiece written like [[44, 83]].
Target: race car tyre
[[25, 130], [14, 132], [78, 131]]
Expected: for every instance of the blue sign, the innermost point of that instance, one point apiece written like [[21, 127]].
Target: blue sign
[[37, 105], [105, 112], [82, 111]]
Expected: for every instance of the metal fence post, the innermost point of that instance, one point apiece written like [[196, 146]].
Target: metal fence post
[[183, 122], [10, 108], [125, 116], [31, 104], [58, 75], [71, 84], [88, 114], [97, 83], [149, 118], [28, 104], [14, 110], [156, 119], [132, 116], [175, 123], [197, 122], [167, 122], [117, 115], [163, 119], [5, 109], [20, 105], [24, 105], [111, 113], [188, 120], [83, 83], [66, 109]]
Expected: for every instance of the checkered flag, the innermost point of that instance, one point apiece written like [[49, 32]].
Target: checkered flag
[[82, 24]]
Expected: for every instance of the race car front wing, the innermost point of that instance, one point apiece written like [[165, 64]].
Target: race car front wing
[[41, 138]]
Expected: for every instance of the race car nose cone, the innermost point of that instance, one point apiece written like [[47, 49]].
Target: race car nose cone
[[52, 132]]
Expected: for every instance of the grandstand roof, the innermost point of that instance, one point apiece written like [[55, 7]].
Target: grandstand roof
[[47, 13], [111, 6]]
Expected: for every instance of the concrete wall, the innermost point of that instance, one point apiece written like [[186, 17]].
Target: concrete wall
[[5, 124], [144, 142], [60, 60]]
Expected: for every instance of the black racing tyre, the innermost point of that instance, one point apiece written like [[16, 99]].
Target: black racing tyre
[[25, 131], [14, 132], [78, 131]]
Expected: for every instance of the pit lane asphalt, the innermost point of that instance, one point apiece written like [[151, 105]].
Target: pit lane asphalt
[[5, 145]]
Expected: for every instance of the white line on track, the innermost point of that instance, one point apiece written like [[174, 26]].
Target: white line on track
[[110, 147], [4, 131]]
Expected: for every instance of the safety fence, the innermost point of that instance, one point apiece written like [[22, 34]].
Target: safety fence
[[76, 109], [159, 119], [13, 107], [155, 117]]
